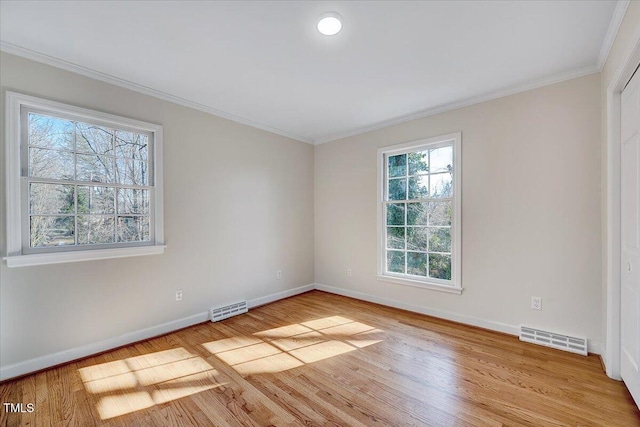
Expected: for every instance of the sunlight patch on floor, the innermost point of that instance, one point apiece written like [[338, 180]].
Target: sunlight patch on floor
[[284, 331], [128, 385], [287, 347], [299, 341], [321, 351], [114, 406], [268, 365]]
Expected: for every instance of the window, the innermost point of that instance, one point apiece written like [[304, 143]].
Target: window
[[419, 213], [80, 184]]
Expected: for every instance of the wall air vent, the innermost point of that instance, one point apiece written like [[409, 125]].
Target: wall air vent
[[550, 339], [221, 313]]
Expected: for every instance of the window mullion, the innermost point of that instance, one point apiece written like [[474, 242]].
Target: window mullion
[[406, 209], [116, 190], [385, 199], [428, 214], [75, 187], [429, 172], [75, 214]]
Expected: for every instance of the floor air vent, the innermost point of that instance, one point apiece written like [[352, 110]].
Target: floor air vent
[[549, 339], [221, 313]]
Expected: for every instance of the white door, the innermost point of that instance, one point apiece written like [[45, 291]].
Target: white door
[[630, 237]]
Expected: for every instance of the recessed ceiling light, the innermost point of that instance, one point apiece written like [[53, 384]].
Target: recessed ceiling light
[[330, 23]]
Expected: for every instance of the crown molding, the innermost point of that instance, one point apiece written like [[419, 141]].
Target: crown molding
[[107, 78], [87, 72], [612, 32], [557, 78]]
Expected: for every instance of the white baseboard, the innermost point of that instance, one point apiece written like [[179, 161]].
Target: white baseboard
[[593, 347], [467, 320], [280, 295], [49, 360]]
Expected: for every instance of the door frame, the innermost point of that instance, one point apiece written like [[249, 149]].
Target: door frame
[[612, 262]]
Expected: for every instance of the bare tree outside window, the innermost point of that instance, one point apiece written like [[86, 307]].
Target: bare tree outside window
[[88, 184]]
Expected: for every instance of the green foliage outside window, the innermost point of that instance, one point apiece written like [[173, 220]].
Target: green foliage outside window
[[418, 232]]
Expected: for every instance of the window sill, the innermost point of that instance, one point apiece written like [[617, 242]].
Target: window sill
[[420, 284], [76, 256]]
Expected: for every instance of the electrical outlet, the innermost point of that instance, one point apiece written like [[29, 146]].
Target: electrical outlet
[[536, 303], [349, 272], [179, 295], [279, 274]]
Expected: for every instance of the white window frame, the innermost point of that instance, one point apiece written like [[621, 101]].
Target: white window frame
[[16, 178], [455, 284]]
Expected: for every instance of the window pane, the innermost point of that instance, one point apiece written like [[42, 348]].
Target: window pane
[[50, 164], [51, 198], [440, 239], [133, 228], [441, 185], [94, 229], [418, 163], [132, 172], [132, 145], [50, 132], [397, 189], [440, 266], [397, 165], [417, 264], [94, 139], [442, 159], [133, 201], [419, 187], [96, 200], [94, 168], [440, 213], [417, 213], [395, 214], [417, 238], [395, 261], [51, 231], [395, 237]]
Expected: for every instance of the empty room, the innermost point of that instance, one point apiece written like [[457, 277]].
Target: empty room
[[320, 213]]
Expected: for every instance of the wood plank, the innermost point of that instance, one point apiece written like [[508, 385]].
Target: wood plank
[[319, 359]]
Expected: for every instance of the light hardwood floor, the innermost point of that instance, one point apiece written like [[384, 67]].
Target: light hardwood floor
[[319, 359]]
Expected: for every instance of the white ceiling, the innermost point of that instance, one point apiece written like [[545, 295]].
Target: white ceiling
[[264, 63]]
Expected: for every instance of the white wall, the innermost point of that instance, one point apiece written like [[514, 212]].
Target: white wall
[[531, 219], [238, 207], [530, 211]]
